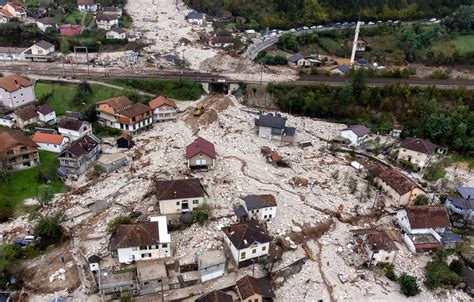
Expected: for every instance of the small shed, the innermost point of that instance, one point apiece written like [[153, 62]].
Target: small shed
[[94, 261], [125, 141], [110, 162]]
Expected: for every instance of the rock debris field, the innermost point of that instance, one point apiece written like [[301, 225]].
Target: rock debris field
[[242, 170]]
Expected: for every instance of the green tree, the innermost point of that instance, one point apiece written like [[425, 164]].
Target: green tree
[[420, 200], [358, 83], [437, 127], [456, 266], [10, 255], [49, 230], [408, 285], [438, 274], [313, 12], [113, 224], [287, 42], [201, 214], [5, 172], [434, 172], [45, 194]]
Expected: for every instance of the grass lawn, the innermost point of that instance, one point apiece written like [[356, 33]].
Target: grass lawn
[[62, 95], [24, 184], [464, 44], [75, 17], [179, 90]]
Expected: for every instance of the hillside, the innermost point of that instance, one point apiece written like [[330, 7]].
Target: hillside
[[291, 13]]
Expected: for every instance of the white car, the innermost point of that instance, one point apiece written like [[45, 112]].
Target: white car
[[371, 23], [305, 27], [319, 26], [313, 27], [396, 22], [433, 20], [292, 30]]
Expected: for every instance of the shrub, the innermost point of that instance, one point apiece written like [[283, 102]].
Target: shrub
[[45, 194], [434, 172], [201, 214], [114, 223], [438, 274], [389, 271], [420, 200], [456, 266], [408, 285], [49, 230]]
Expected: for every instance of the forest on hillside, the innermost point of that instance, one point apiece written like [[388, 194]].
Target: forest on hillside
[[291, 13]]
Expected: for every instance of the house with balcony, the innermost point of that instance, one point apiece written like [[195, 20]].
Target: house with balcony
[[247, 242], [142, 241], [462, 203], [372, 246], [79, 156], [16, 91], [19, 151], [87, 6], [106, 21], [417, 151], [423, 226], [179, 195], [123, 114], [164, 109], [74, 128]]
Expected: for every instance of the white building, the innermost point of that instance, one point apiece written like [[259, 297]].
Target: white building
[[45, 23], [260, 207], [196, 18], [356, 134], [142, 241], [273, 127], [87, 6], [106, 22], [7, 121], [46, 114], [42, 51], [247, 242], [50, 142], [12, 54], [16, 91], [116, 33], [423, 226], [74, 128], [163, 108], [179, 195], [211, 264]]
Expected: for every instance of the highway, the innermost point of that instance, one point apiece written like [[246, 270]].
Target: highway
[[52, 71]]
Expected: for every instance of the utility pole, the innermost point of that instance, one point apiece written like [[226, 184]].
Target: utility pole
[[64, 69]]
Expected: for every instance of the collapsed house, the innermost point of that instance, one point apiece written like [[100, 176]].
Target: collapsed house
[[372, 246]]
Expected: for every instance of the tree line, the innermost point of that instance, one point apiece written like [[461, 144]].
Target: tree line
[[443, 116]]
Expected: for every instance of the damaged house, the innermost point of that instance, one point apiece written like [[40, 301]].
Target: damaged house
[[79, 156], [372, 247], [273, 126], [252, 289], [462, 204], [423, 226]]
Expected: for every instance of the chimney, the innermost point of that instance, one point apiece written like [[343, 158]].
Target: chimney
[[16, 81]]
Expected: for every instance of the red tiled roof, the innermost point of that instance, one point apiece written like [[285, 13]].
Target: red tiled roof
[[200, 145], [418, 145], [395, 179], [10, 139], [425, 217], [243, 235], [47, 138], [135, 110], [160, 101], [134, 235], [14, 82], [70, 30], [26, 113], [249, 286], [85, 2], [215, 296], [117, 103]]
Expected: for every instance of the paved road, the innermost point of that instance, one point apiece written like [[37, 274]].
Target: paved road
[[51, 71]]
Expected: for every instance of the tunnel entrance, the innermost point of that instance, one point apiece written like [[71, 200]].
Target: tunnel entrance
[[219, 87]]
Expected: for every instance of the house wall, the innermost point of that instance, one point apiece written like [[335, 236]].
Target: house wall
[[4, 56], [43, 27], [87, 8], [355, 140], [409, 243], [466, 213], [405, 199], [19, 98], [254, 298], [171, 206], [193, 161], [74, 135], [260, 214], [211, 272], [107, 25], [135, 253], [35, 50], [164, 112], [420, 160], [23, 123], [260, 250], [51, 147], [115, 35], [50, 117], [22, 157], [382, 256]]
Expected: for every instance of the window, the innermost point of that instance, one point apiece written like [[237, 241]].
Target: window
[[243, 255], [164, 245], [146, 283], [254, 251], [265, 216], [143, 247], [146, 255], [264, 248], [134, 248], [178, 203], [195, 201]]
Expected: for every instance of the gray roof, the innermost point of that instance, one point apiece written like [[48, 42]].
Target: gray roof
[[12, 50], [344, 68], [254, 202], [449, 236], [195, 15], [44, 44], [359, 130], [240, 211], [45, 109], [118, 30], [46, 21], [466, 192], [272, 121], [3, 2], [295, 58], [462, 203], [211, 257], [362, 61]]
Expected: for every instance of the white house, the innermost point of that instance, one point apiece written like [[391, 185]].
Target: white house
[[16, 91], [356, 134], [45, 23], [423, 226], [372, 247], [74, 128], [12, 53], [211, 264], [417, 151], [142, 241], [273, 126], [42, 51], [463, 204], [196, 18], [179, 195], [46, 114], [7, 121], [247, 242], [106, 22], [50, 142], [163, 108], [298, 60], [87, 6], [116, 33], [260, 207]]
